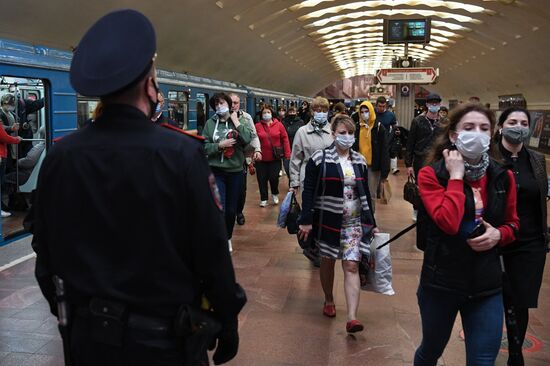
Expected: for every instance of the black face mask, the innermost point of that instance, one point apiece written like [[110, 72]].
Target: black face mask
[[152, 104]]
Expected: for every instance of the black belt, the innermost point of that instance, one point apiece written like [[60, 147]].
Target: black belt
[[138, 321]]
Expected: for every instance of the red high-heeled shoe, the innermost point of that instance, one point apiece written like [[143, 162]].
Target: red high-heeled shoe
[[329, 310], [354, 326]]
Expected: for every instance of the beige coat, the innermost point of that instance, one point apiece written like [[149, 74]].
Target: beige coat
[[306, 142]]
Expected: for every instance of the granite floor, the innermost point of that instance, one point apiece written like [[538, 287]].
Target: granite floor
[[282, 323]]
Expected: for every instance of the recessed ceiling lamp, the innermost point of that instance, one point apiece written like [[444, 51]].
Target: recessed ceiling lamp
[[392, 12], [453, 5]]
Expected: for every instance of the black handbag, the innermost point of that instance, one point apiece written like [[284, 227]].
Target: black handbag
[[410, 192], [293, 214]]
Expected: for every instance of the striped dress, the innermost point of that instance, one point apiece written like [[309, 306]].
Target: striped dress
[[340, 211]]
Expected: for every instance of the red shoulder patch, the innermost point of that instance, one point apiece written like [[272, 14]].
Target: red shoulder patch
[[170, 127]]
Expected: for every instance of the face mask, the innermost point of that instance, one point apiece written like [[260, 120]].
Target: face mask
[[434, 108], [292, 115], [345, 141], [281, 114], [222, 110], [266, 116], [366, 115], [472, 144], [320, 117], [11, 108], [515, 135]]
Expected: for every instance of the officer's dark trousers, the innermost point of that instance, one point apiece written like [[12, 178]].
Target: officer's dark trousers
[[139, 348], [229, 184]]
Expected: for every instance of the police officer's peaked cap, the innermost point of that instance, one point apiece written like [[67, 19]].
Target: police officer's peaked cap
[[114, 52], [433, 97]]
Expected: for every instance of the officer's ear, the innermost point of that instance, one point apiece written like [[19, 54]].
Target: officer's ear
[[151, 88]]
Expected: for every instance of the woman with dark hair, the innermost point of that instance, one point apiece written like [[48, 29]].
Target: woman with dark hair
[[226, 135], [468, 210], [525, 258], [275, 146], [340, 217]]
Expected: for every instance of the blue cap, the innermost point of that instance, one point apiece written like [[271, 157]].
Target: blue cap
[[433, 97], [116, 50]]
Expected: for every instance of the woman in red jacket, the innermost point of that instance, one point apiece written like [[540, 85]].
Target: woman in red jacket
[[275, 146], [468, 210], [5, 139]]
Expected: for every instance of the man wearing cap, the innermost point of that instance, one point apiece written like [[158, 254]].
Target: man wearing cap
[[119, 216], [424, 129]]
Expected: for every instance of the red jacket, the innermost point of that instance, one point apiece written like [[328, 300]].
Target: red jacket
[[4, 140], [279, 138], [446, 206]]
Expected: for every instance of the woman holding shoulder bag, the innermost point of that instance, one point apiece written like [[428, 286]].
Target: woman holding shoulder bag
[[275, 146], [340, 218]]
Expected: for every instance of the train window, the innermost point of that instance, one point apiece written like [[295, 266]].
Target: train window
[[85, 110], [23, 114], [178, 108]]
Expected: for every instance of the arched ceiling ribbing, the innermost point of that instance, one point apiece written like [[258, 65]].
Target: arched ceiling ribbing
[[481, 46]]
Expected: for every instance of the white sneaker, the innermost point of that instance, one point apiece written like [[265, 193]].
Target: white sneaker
[[263, 203], [5, 214], [230, 246], [415, 212], [275, 199]]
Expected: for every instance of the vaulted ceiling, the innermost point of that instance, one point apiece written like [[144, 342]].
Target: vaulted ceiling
[[482, 47]]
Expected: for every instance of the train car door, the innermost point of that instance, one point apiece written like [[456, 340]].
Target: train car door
[[23, 114], [178, 108]]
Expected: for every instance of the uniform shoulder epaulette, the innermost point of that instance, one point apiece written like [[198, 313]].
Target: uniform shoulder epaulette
[[173, 128]]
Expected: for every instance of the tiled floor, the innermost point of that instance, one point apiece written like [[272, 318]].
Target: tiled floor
[[282, 322]]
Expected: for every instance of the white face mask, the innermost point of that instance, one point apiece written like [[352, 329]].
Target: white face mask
[[345, 141], [222, 110], [320, 117], [266, 116], [472, 144], [366, 116]]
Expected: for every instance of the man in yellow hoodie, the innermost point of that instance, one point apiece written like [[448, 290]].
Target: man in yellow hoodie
[[371, 141]]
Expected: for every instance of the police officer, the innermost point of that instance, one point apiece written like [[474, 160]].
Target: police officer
[[120, 212]]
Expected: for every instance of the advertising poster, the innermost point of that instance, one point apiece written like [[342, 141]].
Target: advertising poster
[[537, 119], [544, 140]]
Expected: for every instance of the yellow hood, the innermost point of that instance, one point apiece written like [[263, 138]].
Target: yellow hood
[[372, 116]]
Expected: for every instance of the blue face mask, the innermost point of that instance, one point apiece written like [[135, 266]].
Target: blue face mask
[[222, 110], [345, 141], [320, 117], [433, 108]]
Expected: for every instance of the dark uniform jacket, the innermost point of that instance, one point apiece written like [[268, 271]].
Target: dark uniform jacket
[[449, 262], [121, 210], [419, 141]]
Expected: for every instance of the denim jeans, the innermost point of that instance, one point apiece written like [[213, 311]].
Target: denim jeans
[[482, 320], [229, 185]]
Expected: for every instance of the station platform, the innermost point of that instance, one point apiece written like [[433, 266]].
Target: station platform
[[282, 324]]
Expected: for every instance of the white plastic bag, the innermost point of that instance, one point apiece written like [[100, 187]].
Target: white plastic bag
[[379, 277], [284, 208]]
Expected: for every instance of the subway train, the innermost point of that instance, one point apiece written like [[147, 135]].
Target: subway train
[[36, 72]]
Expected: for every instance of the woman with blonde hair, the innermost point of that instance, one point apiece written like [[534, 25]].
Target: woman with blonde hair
[[339, 217]]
